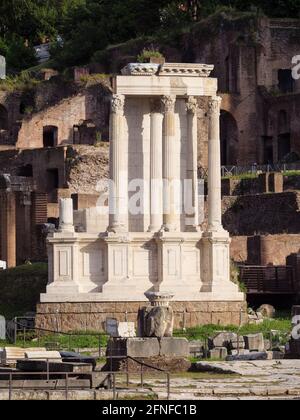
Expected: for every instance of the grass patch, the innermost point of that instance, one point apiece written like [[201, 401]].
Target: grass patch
[[241, 176], [283, 325], [204, 375], [291, 173], [61, 341]]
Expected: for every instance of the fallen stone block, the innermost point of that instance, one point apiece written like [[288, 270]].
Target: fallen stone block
[[248, 357], [133, 347], [174, 347], [254, 342], [228, 340], [237, 352], [43, 366], [218, 353], [237, 343], [10, 355], [196, 348], [275, 355], [267, 311], [147, 348], [43, 355]]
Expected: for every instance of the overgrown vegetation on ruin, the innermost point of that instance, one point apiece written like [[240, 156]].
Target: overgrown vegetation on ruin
[[282, 324], [77, 29], [20, 288]]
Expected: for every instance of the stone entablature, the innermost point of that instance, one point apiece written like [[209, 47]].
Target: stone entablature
[[167, 69], [160, 248]]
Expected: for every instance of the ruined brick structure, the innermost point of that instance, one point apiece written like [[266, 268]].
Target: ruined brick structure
[[253, 62], [50, 148], [31, 184], [55, 113]]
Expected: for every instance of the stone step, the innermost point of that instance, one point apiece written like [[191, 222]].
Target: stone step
[[43, 366], [73, 383], [11, 354], [43, 355]]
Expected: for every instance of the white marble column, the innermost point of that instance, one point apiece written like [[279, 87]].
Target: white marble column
[[66, 222], [171, 166], [118, 167], [191, 186], [156, 165], [214, 167]]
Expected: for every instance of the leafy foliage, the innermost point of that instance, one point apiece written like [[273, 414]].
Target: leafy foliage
[[87, 26]]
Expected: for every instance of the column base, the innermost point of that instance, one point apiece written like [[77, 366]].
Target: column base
[[216, 267]]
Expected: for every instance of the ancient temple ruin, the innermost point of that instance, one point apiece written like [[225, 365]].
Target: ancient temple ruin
[[153, 141]]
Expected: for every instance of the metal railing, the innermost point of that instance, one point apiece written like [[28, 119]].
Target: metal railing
[[234, 170], [254, 169], [23, 332], [111, 377], [268, 279], [143, 373]]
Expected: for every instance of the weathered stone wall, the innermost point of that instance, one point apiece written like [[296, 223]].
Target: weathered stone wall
[[89, 104], [80, 111], [262, 214], [247, 52], [92, 316], [264, 250]]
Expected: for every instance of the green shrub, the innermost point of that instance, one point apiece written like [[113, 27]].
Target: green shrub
[[20, 288], [147, 54]]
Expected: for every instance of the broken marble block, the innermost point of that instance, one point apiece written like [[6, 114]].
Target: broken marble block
[[156, 321], [248, 357], [254, 342], [227, 339], [267, 311], [218, 353], [148, 348], [241, 352]]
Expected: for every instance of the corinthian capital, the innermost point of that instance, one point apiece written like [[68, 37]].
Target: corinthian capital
[[214, 106], [117, 104], [191, 105], [169, 103]]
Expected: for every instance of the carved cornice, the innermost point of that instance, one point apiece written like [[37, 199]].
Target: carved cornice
[[117, 104], [186, 70], [169, 103], [191, 105], [214, 106], [168, 69], [140, 69]]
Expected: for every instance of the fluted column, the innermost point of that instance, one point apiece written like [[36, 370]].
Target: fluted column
[[118, 169], [214, 169], [156, 165], [171, 166], [191, 188]]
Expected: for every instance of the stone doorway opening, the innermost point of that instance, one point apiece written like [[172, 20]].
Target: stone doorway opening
[[3, 118], [229, 139], [284, 145], [52, 184], [50, 136], [285, 81]]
